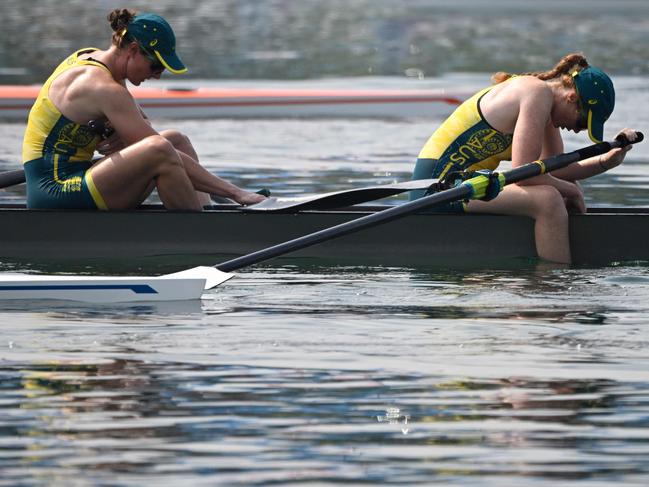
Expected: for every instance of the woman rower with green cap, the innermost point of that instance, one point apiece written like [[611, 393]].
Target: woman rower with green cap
[[88, 90], [519, 119]]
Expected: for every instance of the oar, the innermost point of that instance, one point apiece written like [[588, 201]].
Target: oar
[[474, 188], [11, 178], [338, 199], [191, 283]]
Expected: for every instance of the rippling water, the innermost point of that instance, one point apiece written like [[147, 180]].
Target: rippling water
[[324, 375], [321, 374]]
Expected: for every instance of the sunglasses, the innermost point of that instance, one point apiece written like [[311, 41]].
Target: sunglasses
[[156, 65], [582, 123]]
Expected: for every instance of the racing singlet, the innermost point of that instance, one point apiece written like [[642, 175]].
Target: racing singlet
[[57, 152], [465, 141]]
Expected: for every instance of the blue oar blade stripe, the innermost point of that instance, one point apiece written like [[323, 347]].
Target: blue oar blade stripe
[[136, 288]]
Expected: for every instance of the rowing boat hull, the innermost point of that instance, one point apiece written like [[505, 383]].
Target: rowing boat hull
[[600, 237], [16, 101]]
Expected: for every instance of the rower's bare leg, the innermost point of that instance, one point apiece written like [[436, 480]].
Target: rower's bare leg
[[543, 203], [182, 143], [123, 178], [203, 180]]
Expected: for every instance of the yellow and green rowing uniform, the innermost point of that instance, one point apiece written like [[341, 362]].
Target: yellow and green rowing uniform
[[464, 142], [57, 152]]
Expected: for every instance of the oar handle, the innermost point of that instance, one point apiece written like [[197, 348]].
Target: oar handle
[[11, 178], [603, 147]]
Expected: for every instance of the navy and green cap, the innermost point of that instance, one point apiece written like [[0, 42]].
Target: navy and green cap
[[156, 37], [597, 97]]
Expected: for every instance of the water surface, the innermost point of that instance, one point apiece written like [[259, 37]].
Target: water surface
[[338, 375]]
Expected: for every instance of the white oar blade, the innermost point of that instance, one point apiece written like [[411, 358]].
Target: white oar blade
[[183, 285], [213, 277]]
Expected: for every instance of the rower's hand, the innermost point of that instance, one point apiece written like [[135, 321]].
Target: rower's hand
[[110, 145], [614, 157], [247, 198]]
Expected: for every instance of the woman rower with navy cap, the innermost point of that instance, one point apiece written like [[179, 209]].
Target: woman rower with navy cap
[[88, 90], [519, 119]]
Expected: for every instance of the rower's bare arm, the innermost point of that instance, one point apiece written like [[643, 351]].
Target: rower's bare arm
[[552, 141], [598, 164], [533, 137], [534, 111], [124, 114]]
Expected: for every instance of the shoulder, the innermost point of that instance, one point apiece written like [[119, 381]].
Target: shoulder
[[528, 96], [531, 89], [521, 95], [100, 83], [90, 91], [84, 79], [520, 90]]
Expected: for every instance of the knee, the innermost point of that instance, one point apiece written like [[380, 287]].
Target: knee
[[549, 203], [176, 138], [161, 150]]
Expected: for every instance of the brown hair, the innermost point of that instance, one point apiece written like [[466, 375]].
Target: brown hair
[[563, 70], [119, 20]]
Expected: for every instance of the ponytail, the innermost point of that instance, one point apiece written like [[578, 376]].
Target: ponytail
[[563, 70]]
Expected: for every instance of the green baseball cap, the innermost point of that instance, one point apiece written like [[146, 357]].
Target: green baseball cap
[[156, 37], [597, 97]]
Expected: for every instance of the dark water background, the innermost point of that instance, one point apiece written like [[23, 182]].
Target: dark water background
[[314, 374]]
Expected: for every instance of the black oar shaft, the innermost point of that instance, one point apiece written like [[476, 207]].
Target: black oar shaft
[[462, 192], [453, 194], [562, 160], [11, 178]]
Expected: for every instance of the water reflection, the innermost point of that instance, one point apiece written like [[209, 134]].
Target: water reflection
[[248, 425], [117, 312]]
